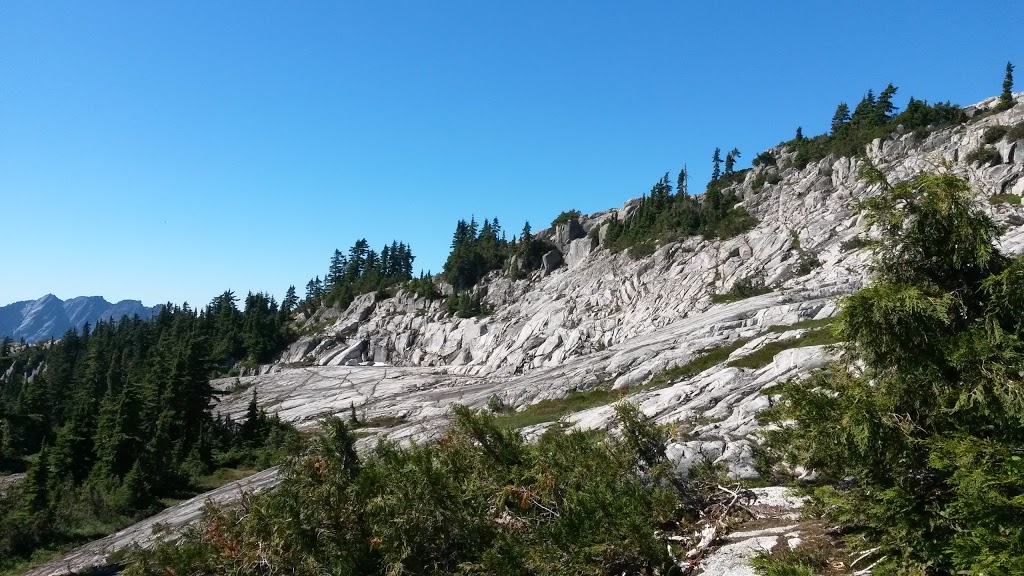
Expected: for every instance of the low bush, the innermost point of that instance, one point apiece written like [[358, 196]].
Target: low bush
[[994, 134], [741, 289], [1004, 199], [480, 500], [1016, 133], [565, 217], [985, 155]]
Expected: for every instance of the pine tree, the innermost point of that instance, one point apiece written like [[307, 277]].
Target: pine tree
[[134, 494], [290, 300], [730, 160], [682, 188], [37, 494], [716, 161], [885, 110], [251, 427], [926, 461], [1006, 98], [799, 134], [864, 113], [841, 119]]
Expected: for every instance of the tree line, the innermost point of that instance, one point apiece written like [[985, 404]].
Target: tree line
[[113, 418], [359, 271]]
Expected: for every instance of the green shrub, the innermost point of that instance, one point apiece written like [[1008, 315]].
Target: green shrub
[[565, 217], [765, 177], [855, 243], [424, 287], [987, 155], [736, 222], [467, 305], [807, 263], [642, 249], [765, 158], [925, 463], [807, 559], [696, 365], [741, 289], [480, 500], [1016, 133], [764, 355], [994, 134], [1004, 199]]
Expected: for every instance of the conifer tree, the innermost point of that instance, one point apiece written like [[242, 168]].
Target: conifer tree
[[37, 479], [682, 188], [716, 161], [1006, 98], [885, 110], [291, 300], [926, 462], [841, 119]]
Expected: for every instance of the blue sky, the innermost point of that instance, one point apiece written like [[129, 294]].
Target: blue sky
[[169, 151]]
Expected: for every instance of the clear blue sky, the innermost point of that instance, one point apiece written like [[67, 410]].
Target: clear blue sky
[[166, 151]]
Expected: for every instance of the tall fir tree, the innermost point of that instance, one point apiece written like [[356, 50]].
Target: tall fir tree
[[1006, 97]]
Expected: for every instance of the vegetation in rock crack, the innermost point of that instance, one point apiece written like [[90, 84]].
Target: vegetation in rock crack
[[1004, 199], [696, 365], [480, 500], [740, 290], [552, 409], [764, 355], [811, 557], [984, 155], [1015, 133], [114, 421], [916, 434]]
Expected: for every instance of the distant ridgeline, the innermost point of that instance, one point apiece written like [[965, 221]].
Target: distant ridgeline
[[50, 317]]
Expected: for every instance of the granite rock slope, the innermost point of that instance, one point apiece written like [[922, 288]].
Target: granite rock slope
[[606, 320]]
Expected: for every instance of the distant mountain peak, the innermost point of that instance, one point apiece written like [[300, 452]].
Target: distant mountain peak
[[50, 317]]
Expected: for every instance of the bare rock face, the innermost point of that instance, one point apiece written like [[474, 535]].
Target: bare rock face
[[551, 260], [565, 233]]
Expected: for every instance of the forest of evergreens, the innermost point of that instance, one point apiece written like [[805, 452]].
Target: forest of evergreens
[[113, 421]]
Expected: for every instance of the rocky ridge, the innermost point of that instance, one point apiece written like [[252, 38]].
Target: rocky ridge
[[597, 319], [50, 317]]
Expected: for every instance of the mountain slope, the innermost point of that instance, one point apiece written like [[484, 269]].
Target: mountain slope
[[605, 321], [50, 317]]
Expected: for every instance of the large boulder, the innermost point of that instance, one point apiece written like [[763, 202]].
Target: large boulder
[[551, 260], [579, 249], [565, 233]]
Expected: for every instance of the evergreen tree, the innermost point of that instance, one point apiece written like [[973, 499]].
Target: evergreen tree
[[799, 134], [730, 160], [682, 188], [336, 271], [864, 113], [925, 461], [1006, 98], [885, 110], [716, 161], [291, 300], [841, 119], [37, 479]]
